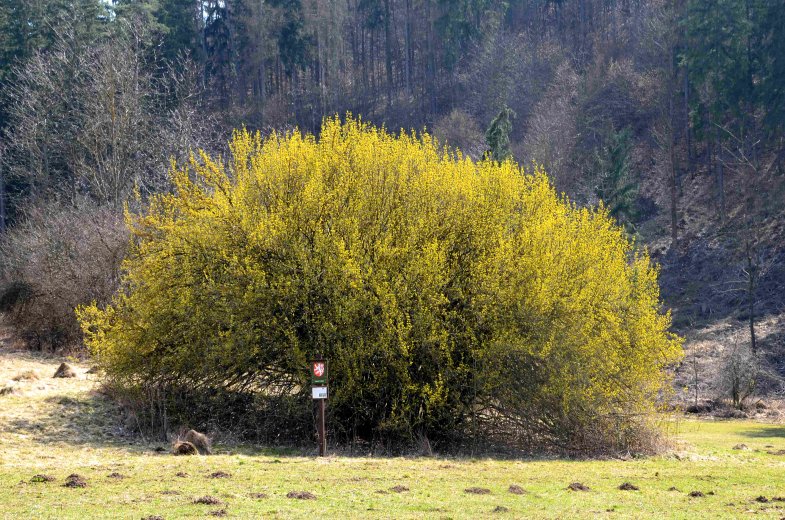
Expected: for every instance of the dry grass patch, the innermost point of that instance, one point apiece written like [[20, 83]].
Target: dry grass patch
[[27, 375]]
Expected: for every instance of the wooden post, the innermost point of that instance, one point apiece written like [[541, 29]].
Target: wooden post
[[321, 427], [319, 391]]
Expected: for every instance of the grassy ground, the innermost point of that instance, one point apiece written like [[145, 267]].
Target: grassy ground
[[59, 427]]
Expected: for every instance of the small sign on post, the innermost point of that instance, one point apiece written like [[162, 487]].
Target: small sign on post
[[319, 372], [319, 394]]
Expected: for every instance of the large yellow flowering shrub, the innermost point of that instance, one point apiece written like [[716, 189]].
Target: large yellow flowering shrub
[[451, 297]]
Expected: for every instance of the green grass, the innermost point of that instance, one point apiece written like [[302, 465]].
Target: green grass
[[59, 428]]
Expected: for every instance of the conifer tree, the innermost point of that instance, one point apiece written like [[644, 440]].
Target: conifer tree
[[498, 135]]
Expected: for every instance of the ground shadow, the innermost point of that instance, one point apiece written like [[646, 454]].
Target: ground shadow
[[88, 419], [764, 430], [94, 420]]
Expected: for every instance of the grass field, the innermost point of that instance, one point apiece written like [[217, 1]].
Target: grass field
[[61, 427]]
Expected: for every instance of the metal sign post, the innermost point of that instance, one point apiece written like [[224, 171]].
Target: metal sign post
[[319, 393]]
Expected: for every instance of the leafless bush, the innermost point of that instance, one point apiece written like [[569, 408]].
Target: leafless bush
[[57, 258], [458, 129], [553, 127], [88, 125], [740, 370]]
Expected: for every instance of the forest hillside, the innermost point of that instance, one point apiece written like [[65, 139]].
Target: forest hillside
[[671, 113]]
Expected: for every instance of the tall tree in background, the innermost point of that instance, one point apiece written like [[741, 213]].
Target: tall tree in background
[[735, 55], [772, 87], [29, 26], [615, 186], [498, 135]]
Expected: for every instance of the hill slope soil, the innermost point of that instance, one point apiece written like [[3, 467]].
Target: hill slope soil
[[66, 453]]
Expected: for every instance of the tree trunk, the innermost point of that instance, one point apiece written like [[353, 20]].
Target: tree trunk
[[408, 49], [672, 149], [388, 51], [687, 129], [3, 214], [719, 173]]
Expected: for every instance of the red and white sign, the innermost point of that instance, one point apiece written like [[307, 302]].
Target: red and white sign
[[318, 369]]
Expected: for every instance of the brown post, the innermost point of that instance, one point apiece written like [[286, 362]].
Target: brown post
[[321, 427], [319, 389]]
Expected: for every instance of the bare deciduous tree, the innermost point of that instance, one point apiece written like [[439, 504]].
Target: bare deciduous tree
[[99, 121]]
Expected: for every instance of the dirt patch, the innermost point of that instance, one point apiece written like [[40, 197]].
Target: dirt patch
[[184, 448], [207, 500], [75, 481], [477, 491], [301, 495], [42, 478], [182, 474], [8, 390], [27, 375], [762, 500], [628, 487], [258, 495], [516, 490], [696, 494], [578, 486], [500, 509], [65, 370], [778, 452], [218, 512], [116, 475], [219, 474], [399, 489]]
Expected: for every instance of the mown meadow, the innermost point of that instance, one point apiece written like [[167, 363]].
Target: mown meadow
[[57, 428]]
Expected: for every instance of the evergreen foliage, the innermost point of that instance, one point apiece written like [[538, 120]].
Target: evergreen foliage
[[735, 52], [498, 135], [448, 295], [615, 187]]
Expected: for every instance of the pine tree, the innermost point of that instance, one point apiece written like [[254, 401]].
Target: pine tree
[[615, 187], [773, 51], [498, 135]]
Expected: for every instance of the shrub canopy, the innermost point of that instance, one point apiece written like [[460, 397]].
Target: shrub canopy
[[451, 297]]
